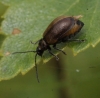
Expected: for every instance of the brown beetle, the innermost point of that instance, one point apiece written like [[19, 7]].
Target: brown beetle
[[61, 29]]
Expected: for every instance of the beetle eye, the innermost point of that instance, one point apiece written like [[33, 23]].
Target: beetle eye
[[78, 22]]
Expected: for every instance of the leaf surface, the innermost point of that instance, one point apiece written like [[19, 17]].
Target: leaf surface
[[26, 20]]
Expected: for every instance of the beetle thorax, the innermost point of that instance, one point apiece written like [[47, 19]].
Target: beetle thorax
[[42, 46]]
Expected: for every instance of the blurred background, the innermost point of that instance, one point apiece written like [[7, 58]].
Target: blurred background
[[70, 77]]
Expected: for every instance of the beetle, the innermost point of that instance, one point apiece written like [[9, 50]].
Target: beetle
[[61, 29]]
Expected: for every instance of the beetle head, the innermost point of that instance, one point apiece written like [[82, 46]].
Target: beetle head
[[42, 46]]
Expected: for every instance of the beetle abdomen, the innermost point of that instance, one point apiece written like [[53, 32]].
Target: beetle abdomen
[[72, 32]]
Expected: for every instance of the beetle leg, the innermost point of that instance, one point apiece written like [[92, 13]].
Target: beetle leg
[[77, 40], [65, 39], [54, 46], [53, 54]]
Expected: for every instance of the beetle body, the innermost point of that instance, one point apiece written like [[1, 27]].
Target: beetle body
[[61, 29]]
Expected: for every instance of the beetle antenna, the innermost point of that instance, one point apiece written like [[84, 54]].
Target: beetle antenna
[[35, 62], [36, 69], [34, 42], [23, 52]]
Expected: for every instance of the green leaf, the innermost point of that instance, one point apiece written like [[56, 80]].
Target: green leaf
[[26, 20]]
